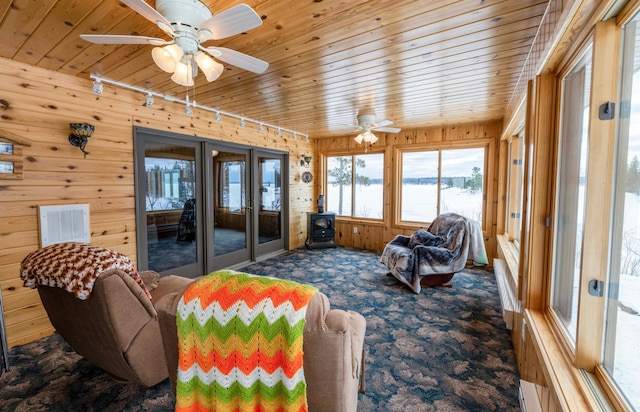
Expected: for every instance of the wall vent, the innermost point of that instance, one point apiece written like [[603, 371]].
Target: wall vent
[[64, 223]]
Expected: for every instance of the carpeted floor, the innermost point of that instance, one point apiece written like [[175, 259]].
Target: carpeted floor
[[446, 349]]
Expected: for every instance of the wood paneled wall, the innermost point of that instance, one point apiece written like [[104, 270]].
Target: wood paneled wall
[[38, 105], [374, 235]]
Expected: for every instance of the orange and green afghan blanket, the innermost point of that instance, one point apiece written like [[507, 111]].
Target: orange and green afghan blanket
[[240, 344]]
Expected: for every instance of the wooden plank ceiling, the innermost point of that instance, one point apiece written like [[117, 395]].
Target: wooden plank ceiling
[[417, 63]]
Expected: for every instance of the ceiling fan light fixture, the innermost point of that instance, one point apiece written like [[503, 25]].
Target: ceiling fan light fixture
[[211, 68], [182, 75], [366, 137], [167, 57]]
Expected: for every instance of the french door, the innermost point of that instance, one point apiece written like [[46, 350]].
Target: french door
[[204, 205], [231, 202], [270, 206]]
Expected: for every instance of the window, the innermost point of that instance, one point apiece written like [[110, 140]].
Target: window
[[515, 189], [355, 185], [622, 338], [570, 194], [440, 181]]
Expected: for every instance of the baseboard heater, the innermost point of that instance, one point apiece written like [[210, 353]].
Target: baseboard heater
[[529, 401], [507, 297]]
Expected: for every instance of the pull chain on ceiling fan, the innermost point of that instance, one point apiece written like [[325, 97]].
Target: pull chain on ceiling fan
[[190, 23]]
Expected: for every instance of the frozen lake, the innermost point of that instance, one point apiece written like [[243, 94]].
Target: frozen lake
[[419, 202]]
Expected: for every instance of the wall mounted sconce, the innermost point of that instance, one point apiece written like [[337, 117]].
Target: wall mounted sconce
[[306, 160], [80, 133]]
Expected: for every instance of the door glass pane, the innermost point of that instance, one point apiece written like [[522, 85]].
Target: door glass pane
[[570, 194], [270, 212], [339, 185], [622, 341], [170, 206], [230, 213], [369, 185], [461, 182], [419, 186]]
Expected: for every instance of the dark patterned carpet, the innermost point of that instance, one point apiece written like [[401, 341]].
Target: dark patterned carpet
[[446, 349]]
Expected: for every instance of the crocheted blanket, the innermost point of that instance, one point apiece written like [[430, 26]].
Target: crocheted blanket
[[74, 267], [240, 344]]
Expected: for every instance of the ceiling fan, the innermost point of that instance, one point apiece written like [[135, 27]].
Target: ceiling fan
[[367, 124], [190, 23]]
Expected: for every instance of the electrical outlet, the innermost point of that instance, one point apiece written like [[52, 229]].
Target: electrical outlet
[[355, 229]]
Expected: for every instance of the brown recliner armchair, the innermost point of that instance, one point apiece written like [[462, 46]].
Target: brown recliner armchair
[[116, 328], [333, 343]]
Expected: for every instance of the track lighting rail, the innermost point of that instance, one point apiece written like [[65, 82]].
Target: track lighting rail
[[149, 94]]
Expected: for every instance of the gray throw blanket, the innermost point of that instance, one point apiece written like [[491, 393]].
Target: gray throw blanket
[[444, 248]]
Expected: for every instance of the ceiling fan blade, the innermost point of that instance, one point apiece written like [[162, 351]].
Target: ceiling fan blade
[[123, 39], [151, 14], [235, 58], [382, 123], [237, 19], [387, 129]]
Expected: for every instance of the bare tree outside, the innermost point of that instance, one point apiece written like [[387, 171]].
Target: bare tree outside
[[341, 176]]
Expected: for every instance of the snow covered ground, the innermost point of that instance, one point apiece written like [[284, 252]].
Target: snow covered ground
[[418, 202], [627, 347]]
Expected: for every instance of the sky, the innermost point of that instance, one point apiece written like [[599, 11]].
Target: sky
[[459, 162]]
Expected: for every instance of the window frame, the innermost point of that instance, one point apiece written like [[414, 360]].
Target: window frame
[[566, 168], [574, 378], [590, 313], [487, 185], [517, 143], [583, 362], [619, 164], [325, 181]]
